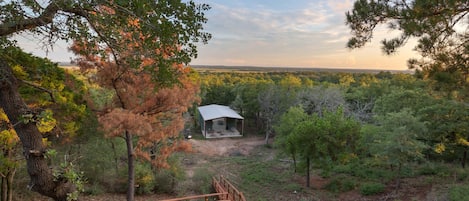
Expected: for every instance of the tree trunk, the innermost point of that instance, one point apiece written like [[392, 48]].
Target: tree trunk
[[131, 167], [116, 159], [464, 158], [294, 162], [6, 191], [9, 184], [267, 132], [42, 180], [307, 172]]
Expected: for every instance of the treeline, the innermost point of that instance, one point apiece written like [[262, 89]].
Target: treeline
[[390, 119]]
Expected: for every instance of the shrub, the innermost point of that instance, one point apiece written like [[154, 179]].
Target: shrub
[[459, 193], [165, 181], [202, 181], [428, 169], [144, 179], [94, 189], [461, 175], [371, 188], [341, 184], [199, 183]]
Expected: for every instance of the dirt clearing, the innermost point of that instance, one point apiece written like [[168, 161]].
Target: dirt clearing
[[226, 146]]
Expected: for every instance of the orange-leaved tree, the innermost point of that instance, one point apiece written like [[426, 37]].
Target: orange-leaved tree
[[149, 99]]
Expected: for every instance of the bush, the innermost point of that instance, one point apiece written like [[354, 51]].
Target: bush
[[461, 175], [428, 169], [459, 193], [94, 189], [165, 182], [199, 183], [144, 179], [202, 181], [371, 188], [341, 184]]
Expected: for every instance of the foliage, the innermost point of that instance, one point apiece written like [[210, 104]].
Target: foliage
[[458, 192], [144, 179], [440, 28], [371, 188], [102, 163], [449, 126], [323, 139], [53, 94], [284, 140], [332, 136], [398, 99], [396, 142], [341, 184], [68, 171]]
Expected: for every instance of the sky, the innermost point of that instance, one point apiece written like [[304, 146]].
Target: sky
[[276, 33]]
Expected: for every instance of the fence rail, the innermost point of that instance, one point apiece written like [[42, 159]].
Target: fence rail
[[225, 192]]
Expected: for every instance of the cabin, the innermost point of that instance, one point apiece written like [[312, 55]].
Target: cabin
[[218, 121]]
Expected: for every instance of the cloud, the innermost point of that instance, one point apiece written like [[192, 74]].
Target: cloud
[[280, 33]]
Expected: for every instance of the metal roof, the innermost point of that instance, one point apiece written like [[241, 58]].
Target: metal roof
[[209, 112]]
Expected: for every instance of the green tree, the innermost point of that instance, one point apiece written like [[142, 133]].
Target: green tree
[[246, 100], [398, 99], [322, 139], [441, 30], [288, 122], [448, 126], [162, 25], [396, 139]]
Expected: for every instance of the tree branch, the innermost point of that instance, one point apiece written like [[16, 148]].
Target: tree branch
[[45, 18], [40, 88]]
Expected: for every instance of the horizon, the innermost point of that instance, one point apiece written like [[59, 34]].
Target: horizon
[[288, 68]]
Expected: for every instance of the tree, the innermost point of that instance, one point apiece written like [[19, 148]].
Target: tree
[[320, 99], [322, 139], [148, 109], [168, 24], [284, 139], [396, 139], [441, 30], [52, 99], [246, 100], [8, 164], [398, 99], [448, 123]]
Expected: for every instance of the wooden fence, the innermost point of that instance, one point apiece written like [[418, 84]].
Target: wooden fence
[[225, 191]]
